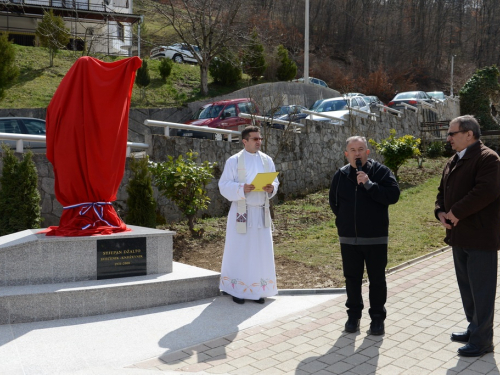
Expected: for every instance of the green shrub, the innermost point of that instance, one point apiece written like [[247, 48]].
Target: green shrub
[[140, 202], [287, 69], [19, 196], [184, 182], [165, 68], [226, 68], [396, 151], [435, 149]]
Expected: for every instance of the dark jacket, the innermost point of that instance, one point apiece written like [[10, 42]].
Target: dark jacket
[[471, 190], [362, 212]]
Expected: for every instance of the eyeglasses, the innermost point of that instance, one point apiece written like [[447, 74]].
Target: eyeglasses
[[255, 139], [452, 134]]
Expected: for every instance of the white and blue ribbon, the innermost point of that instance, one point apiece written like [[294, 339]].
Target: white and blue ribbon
[[98, 209]]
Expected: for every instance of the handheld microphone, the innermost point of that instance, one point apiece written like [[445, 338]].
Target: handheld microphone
[[359, 167]]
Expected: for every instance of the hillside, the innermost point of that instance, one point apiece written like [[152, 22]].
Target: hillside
[[37, 81]]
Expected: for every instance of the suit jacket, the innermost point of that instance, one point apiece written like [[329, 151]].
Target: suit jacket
[[471, 190]]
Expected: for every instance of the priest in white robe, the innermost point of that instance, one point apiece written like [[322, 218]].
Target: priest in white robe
[[248, 270]]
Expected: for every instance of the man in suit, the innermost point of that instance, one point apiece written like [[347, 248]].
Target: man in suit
[[468, 206]]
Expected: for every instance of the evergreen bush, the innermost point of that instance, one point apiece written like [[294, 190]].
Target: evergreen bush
[[143, 78], [165, 68], [287, 69], [254, 61], [140, 202], [396, 151], [184, 182], [226, 68], [19, 195], [8, 69]]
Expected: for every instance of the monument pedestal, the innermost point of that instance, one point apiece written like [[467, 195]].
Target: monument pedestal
[[45, 278]]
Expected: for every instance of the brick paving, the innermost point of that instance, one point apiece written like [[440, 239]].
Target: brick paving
[[423, 307]]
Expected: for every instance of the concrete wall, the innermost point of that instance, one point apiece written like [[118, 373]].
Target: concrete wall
[[306, 160]]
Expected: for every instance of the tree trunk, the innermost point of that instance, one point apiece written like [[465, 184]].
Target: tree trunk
[[204, 77]]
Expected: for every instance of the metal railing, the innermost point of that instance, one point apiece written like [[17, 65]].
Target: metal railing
[[320, 114], [19, 138], [270, 120], [354, 111], [167, 125], [399, 113]]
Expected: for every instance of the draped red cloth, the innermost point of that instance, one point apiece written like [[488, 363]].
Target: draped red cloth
[[87, 126]]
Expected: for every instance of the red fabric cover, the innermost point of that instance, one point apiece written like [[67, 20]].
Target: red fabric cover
[[87, 126]]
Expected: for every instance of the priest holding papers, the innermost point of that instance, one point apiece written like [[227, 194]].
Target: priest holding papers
[[249, 181]]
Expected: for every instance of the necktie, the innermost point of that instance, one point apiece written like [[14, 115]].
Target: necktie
[[454, 162]]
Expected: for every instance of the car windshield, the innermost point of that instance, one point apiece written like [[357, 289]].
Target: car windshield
[[337, 105], [212, 111]]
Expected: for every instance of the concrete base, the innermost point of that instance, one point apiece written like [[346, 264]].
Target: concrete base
[[28, 258], [46, 278], [30, 303]]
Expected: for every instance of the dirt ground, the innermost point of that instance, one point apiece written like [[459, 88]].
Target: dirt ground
[[208, 255]]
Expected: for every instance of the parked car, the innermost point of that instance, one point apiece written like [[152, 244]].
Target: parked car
[[412, 98], [222, 115], [24, 125], [350, 94], [178, 52], [373, 102], [339, 107], [315, 81], [287, 113], [438, 95]]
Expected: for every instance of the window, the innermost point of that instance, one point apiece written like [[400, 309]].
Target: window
[[9, 126], [120, 31], [230, 111], [247, 107], [35, 126]]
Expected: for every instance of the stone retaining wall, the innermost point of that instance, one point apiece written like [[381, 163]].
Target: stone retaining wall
[[306, 160]]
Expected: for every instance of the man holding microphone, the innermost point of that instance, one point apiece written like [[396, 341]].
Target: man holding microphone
[[360, 195]]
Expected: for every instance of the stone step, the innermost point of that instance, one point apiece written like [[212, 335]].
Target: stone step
[[29, 303]]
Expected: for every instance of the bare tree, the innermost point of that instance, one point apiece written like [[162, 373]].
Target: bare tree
[[209, 24]]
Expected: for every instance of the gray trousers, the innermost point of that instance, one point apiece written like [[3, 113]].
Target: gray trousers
[[476, 272]]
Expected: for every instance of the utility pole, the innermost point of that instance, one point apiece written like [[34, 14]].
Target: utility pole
[[306, 45], [451, 79]]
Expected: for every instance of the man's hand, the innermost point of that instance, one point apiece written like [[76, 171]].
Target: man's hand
[[362, 177], [269, 188], [454, 220], [442, 218], [248, 188]]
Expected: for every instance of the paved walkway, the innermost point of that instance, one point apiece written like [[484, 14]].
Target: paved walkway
[[423, 307], [287, 335]]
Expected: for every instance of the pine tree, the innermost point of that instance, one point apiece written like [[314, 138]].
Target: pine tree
[[142, 78], [19, 195], [225, 68], [8, 69], [52, 33], [140, 203], [287, 69], [254, 62]]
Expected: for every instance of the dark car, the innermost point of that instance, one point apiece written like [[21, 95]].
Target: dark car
[[291, 113], [373, 101], [412, 98], [24, 125]]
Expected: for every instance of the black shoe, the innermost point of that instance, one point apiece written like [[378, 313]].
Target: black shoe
[[377, 327], [460, 336], [352, 325], [260, 300], [241, 301], [473, 350]]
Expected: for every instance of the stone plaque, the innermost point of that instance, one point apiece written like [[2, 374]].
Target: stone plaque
[[121, 257]]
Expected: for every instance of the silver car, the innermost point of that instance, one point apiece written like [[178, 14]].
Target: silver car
[[23, 125], [178, 52]]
